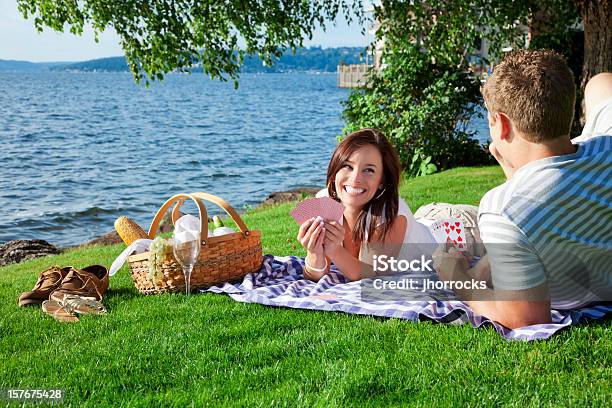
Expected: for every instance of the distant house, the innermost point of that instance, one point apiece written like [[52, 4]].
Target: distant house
[[355, 75], [479, 60]]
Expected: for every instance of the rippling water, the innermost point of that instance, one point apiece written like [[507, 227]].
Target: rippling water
[[79, 150]]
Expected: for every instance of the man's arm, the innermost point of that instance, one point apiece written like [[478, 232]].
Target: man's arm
[[513, 313], [512, 308], [520, 295]]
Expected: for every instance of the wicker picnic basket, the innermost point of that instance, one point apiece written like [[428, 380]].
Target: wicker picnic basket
[[223, 258]]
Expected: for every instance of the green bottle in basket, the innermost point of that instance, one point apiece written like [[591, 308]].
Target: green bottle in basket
[[220, 229]]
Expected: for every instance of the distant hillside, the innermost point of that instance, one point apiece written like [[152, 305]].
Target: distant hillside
[[305, 59], [25, 66], [111, 64]]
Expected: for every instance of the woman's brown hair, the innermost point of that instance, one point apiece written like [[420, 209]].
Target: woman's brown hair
[[383, 206]]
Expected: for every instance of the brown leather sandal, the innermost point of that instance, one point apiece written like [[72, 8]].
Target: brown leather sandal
[[81, 305], [58, 312]]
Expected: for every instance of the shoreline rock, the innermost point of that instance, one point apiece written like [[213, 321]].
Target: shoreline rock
[[297, 194], [110, 238], [25, 249]]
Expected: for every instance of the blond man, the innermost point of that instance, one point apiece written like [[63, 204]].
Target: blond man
[[548, 228]]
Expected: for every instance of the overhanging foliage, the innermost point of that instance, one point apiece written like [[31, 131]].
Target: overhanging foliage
[[160, 36]]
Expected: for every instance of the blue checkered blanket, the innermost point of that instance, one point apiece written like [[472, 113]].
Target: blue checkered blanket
[[280, 282]]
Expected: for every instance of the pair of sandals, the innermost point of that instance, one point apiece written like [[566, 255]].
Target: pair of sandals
[[70, 306]]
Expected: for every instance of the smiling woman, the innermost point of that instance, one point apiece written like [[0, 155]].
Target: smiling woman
[[363, 175]]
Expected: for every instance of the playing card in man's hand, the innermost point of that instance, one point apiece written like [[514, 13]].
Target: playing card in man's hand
[[324, 207], [455, 233], [437, 229], [450, 231]]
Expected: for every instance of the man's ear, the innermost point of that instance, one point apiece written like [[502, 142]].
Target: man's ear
[[505, 126]]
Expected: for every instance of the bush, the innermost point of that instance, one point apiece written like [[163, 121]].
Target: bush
[[424, 93], [420, 106]]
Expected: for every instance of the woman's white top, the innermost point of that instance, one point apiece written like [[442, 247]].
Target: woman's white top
[[418, 239]]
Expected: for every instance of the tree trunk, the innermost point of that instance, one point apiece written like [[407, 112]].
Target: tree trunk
[[597, 21]]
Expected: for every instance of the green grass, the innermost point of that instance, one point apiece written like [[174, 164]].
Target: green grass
[[209, 350]]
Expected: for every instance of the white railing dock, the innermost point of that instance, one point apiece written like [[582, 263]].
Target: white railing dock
[[352, 76]]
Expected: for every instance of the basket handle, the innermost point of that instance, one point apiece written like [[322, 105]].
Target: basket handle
[[179, 199], [221, 203]]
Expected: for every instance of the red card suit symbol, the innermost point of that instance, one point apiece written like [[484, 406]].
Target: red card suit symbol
[[456, 233], [447, 230], [446, 223], [437, 230]]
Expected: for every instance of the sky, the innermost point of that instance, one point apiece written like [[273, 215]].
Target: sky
[[20, 41]]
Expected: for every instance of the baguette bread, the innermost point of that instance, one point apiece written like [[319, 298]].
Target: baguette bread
[[128, 230]]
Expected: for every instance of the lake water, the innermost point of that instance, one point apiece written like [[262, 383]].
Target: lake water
[[79, 150]]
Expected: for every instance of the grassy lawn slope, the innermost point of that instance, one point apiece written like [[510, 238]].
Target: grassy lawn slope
[[169, 351]]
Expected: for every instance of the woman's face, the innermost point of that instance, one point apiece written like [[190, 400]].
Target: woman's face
[[358, 179]]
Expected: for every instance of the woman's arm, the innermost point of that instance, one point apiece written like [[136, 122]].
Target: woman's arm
[[312, 260], [351, 267], [311, 236]]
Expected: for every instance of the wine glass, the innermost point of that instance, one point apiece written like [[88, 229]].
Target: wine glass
[[186, 253]]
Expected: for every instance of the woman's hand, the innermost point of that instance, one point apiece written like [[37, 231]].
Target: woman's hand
[[334, 237], [311, 236]]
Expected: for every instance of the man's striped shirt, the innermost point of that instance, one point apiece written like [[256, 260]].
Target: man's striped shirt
[[552, 224]]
